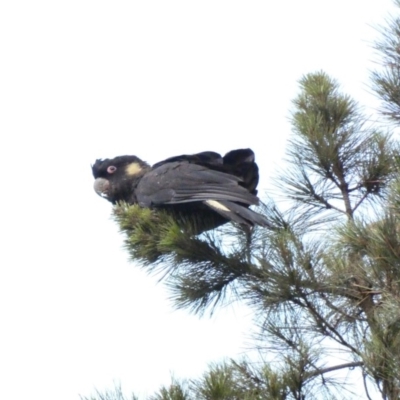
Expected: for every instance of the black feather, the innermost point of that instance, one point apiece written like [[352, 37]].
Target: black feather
[[205, 187]]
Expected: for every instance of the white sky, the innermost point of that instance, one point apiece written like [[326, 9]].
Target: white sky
[[82, 80]]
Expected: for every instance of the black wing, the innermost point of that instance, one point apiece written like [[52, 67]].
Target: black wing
[[183, 182], [180, 183], [203, 158]]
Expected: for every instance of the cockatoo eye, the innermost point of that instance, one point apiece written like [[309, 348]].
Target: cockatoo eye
[[111, 169]]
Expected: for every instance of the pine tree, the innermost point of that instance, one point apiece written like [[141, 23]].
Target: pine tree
[[326, 280]]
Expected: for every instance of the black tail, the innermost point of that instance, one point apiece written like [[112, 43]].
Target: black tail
[[237, 213]]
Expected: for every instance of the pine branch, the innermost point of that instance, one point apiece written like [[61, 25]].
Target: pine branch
[[322, 371]]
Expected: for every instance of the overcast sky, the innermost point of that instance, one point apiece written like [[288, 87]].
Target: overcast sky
[[82, 80]]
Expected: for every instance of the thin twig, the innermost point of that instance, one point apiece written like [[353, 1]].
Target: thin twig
[[364, 375], [335, 368], [361, 200]]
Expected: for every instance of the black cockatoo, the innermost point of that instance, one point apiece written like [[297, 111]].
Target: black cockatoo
[[205, 188]]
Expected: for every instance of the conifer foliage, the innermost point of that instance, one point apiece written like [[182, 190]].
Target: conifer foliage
[[324, 280]]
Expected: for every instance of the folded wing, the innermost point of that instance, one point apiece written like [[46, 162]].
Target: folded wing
[[183, 182]]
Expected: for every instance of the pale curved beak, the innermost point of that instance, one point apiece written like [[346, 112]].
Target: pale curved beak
[[101, 187]]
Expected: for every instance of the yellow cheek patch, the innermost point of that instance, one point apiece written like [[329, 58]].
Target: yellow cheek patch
[[133, 169], [216, 204]]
